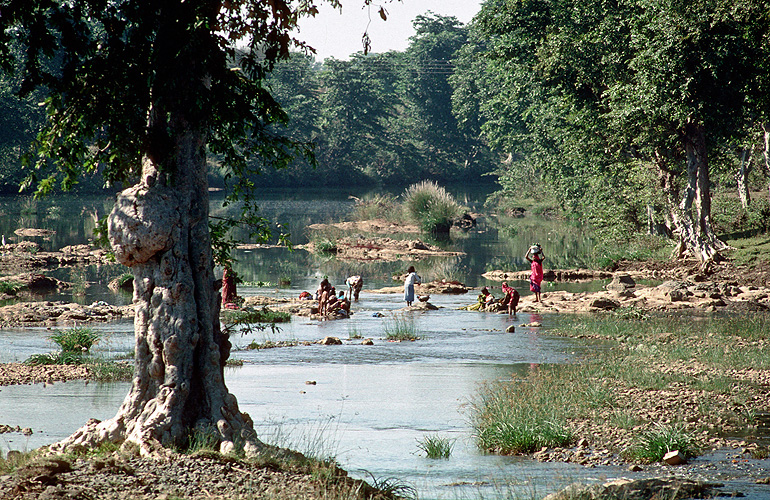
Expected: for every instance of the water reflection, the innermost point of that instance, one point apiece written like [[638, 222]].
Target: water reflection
[[370, 404]]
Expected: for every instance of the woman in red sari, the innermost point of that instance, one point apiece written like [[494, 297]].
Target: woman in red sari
[[536, 261]]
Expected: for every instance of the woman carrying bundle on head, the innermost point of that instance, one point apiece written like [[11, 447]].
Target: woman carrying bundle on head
[[536, 261]]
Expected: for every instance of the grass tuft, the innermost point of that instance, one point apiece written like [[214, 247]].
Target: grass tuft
[[75, 340], [435, 446], [400, 327], [430, 206], [10, 287], [651, 446]]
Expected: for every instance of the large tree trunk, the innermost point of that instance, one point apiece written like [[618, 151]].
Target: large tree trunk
[[742, 179], [690, 216], [159, 228], [766, 151]]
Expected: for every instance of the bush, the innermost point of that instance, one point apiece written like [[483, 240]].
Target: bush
[[75, 340], [653, 445], [430, 206], [10, 287], [378, 206]]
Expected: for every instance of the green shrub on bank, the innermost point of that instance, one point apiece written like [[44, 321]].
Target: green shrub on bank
[[10, 287], [78, 340], [376, 206], [430, 206], [653, 445]]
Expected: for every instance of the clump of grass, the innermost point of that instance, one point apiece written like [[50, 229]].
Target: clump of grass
[[435, 446], [375, 206], [325, 245], [430, 206], [111, 371], [14, 460], [10, 287], [523, 416], [125, 280], [234, 363], [77, 340], [654, 444], [400, 327], [203, 439]]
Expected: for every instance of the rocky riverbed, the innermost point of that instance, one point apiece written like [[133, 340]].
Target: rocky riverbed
[[201, 475]]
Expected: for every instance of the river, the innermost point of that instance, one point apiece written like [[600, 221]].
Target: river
[[366, 406]]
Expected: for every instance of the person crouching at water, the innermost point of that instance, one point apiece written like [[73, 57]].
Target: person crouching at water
[[411, 279], [355, 284], [510, 298], [536, 261]]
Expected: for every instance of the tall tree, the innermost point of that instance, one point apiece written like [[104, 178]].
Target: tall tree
[[586, 90], [143, 89], [447, 150]]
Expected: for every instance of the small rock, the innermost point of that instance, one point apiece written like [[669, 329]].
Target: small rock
[[605, 303], [510, 329], [310, 382], [331, 341], [367, 342], [674, 458]]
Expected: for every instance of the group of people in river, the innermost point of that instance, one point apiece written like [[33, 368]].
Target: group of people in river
[[330, 301], [511, 296]]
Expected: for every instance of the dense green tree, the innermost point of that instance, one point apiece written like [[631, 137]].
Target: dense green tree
[[447, 151], [588, 91], [140, 89], [355, 106]]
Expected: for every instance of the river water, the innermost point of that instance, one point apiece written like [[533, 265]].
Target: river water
[[366, 406]]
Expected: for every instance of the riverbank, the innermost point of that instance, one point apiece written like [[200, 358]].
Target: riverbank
[[198, 475]]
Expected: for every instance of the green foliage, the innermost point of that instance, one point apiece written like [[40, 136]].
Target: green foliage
[[10, 287], [593, 103], [430, 206], [522, 416], [436, 446], [654, 444], [110, 371], [376, 206], [400, 327], [249, 315], [75, 340], [203, 440], [732, 220]]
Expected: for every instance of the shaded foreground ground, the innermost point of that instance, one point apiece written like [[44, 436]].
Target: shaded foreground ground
[[201, 475]]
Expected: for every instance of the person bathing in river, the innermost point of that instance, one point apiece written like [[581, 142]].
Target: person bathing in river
[[536, 261], [355, 284], [411, 279], [510, 298], [322, 295]]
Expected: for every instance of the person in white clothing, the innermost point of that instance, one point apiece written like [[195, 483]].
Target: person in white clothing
[[411, 279]]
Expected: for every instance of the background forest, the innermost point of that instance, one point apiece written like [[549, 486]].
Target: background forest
[[601, 110]]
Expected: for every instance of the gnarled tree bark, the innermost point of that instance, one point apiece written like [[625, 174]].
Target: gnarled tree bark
[[159, 228], [690, 216]]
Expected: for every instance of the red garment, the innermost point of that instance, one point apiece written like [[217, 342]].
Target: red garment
[[536, 277], [229, 292]]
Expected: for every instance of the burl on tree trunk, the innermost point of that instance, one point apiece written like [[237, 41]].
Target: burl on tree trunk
[[159, 228]]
